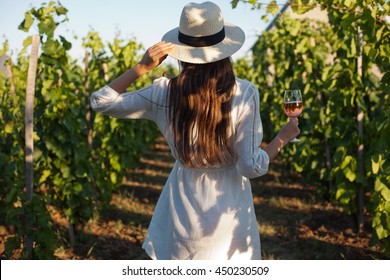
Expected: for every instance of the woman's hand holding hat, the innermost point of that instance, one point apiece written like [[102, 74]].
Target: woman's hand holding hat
[[151, 59], [155, 55]]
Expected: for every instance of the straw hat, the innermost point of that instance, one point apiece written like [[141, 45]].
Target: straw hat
[[203, 36]]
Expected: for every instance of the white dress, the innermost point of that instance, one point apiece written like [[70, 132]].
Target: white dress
[[202, 213]]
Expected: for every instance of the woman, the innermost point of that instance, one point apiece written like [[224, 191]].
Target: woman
[[211, 121]]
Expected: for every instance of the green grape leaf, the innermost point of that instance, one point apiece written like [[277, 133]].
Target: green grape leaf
[[27, 22]]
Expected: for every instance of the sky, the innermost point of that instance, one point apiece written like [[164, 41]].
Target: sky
[[145, 20]]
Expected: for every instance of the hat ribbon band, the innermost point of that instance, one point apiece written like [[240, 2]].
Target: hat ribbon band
[[204, 41]]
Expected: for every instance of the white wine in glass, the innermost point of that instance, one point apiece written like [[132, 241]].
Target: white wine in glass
[[293, 105]]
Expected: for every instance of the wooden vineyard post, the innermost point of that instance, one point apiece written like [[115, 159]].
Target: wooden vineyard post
[[29, 129], [360, 116]]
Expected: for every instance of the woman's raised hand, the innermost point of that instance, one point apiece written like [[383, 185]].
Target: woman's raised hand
[[155, 55]]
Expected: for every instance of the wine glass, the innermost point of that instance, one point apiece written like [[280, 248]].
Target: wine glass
[[293, 105]]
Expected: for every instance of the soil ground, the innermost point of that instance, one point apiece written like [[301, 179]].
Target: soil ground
[[293, 225]]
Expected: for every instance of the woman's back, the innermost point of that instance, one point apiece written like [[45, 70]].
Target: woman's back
[[206, 211], [199, 103], [244, 133]]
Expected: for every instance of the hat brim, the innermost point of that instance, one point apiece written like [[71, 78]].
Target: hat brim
[[233, 41]]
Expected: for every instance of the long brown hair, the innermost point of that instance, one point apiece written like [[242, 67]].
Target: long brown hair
[[199, 112]]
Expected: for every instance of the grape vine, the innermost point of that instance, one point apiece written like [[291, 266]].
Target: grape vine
[[343, 68], [79, 156]]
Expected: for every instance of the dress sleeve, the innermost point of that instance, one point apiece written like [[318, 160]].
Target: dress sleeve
[[252, 161], [130, 105]]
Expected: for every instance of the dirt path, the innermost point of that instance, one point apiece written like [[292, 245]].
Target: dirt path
[[291, 223]]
